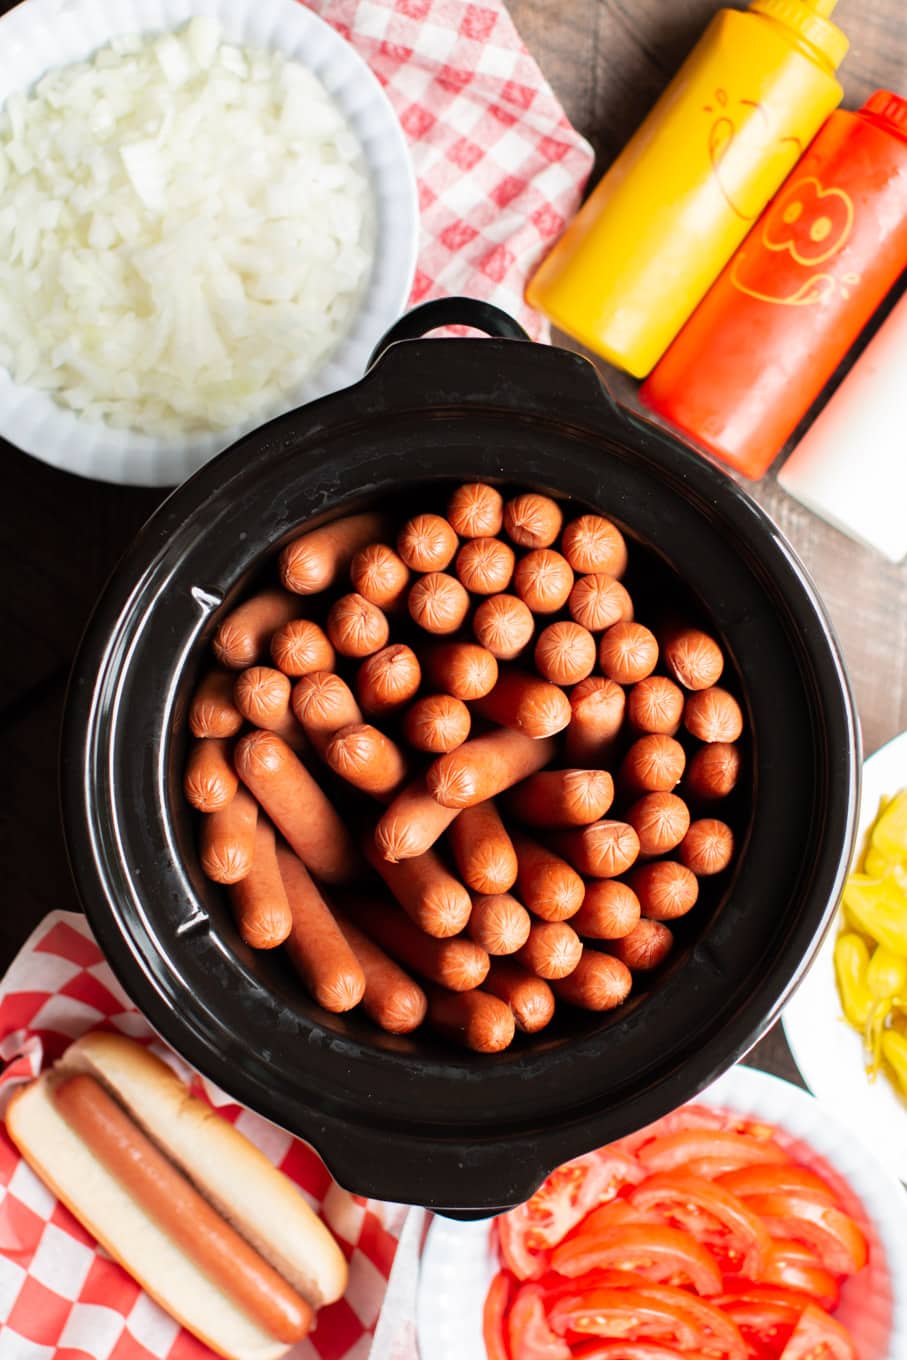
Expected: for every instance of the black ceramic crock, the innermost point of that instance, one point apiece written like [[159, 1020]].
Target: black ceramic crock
[[411, 1119]]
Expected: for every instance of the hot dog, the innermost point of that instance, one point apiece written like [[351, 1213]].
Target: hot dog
[[356, 627], [564, 653], [713, 771], [707, 848], [178, 1209], [262, 696], [552, 951], [209, 781], [455, 963], [367, 759], [532, 521], [389, 679], [653, 764], [599, 982], [545, 883], [438, 723], [562, 798], [504, 625], [486, 766], [296, 805], [598, 602], [593, 544], [412, 823], [228, 839], [713, 715], [655, 705], [438, 603], [212, 712], [648, 944], [290, 731], [323, 703], [317, 559], [665, 890], [485, 565], [463, 669], [300, 647], [380, 575], [694, 659], [499, 923], [427, 543], [527, 704], [596, 715], [431, 897], [259, 901], [244, 634], [482, 849], [605, 849], [251, 1197], [474, 1019], [610, 910], [628, 652], [391, 998], [476, 511], [316, 945], [543, 580], [528, 996], [660, 820]]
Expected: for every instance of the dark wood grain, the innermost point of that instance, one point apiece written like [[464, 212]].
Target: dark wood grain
[[608, 60]]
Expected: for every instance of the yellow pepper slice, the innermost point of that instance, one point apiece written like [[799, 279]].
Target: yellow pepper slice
[[889, 835], [851, 966], [894, 1051], [878, 907]]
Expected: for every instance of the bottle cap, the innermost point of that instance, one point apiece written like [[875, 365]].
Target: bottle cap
[[888, 108], [808, 18]]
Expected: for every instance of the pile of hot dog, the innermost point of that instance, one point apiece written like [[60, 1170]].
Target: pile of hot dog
[[519, 673]]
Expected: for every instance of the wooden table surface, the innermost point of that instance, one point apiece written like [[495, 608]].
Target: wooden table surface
[[608, 60]]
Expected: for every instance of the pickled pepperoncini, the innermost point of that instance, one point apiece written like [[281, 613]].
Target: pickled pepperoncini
[[871, 952]]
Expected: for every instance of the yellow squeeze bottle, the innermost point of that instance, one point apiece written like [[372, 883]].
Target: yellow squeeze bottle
[[675, 205]]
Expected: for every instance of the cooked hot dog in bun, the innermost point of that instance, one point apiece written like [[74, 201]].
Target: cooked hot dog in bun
[[173, 1192]]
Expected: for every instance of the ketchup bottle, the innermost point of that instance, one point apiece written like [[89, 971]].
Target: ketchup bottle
[[767, 337]]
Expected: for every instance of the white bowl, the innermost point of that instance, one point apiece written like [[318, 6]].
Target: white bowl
[[828, 1051], [40, 34], [459, 1260]]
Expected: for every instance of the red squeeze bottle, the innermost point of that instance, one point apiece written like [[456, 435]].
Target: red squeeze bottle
[[781, 316]]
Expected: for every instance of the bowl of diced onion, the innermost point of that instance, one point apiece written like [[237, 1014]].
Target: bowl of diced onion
[[208, 216]]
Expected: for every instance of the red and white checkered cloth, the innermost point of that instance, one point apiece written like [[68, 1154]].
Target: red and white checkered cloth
[[61, 1296], [499, 168]]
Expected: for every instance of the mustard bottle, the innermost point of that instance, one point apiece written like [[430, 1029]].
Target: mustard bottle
[[672, 209]]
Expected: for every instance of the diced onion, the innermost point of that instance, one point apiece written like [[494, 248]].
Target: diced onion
[[186, 229]]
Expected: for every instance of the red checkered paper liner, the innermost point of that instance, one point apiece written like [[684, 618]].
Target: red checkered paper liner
[[61, 1296], [500, 170]]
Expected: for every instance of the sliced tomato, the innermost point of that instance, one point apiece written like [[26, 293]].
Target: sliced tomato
[[529, 1334], [629, 1350], [673, 1151], [627, 1315], [687, 1117], [527, 1234], [494, 1315], [714, 1216], [611, 1215], [662, 1254], [778, 1180], [795, 1266], [832, 1234], [560, 1287], [658, 1313], [819, 1337]]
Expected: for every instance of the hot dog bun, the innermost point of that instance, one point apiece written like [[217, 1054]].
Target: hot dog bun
[[238, 1180]]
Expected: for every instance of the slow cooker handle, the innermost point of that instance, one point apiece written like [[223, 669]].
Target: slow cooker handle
[[451, 311]]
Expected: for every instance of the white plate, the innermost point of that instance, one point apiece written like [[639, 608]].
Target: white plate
[[458, 1262], [828, 1052], [40, 34]]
